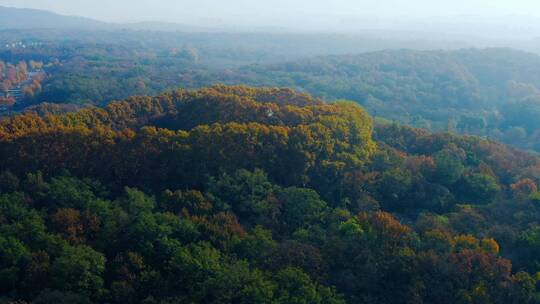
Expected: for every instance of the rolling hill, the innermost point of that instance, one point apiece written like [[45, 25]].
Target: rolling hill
[[244, 195], [489, 92], [18, 18]]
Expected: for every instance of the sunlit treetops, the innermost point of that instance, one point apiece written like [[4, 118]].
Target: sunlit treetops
[[244, 195], [182, 136]]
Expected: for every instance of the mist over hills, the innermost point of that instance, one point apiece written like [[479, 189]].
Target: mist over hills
[[494, 31], [18, 18], [23, 18], [269, 152]]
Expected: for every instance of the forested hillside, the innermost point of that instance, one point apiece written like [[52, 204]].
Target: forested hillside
[[244, 195], [486, 92], [489, 92]]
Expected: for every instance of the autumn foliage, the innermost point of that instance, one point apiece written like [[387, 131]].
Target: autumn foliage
[[244, 195]]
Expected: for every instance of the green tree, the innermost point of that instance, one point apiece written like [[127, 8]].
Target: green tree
[[257, 245], [295, 287], [245, 192], [13, 255], [79, 269], [394, 187], [478, 188], [301, 208], [448, 167]]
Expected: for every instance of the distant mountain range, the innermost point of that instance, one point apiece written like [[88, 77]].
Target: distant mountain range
[[22, 18], [163, 27]]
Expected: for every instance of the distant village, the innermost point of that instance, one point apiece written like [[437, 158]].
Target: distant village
[[21, 44]]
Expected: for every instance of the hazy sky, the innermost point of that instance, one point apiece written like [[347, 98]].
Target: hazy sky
[[284, 13]]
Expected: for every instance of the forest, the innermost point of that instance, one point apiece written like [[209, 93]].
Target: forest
[[493, 93], [485, 92], [157, 163], [235, 194]]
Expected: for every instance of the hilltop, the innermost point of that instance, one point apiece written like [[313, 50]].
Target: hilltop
[[19, 18], [244, 195]]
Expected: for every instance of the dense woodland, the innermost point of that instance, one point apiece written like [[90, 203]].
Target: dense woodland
[[244, 195], [237, 194], [490, 92], [493, 93]]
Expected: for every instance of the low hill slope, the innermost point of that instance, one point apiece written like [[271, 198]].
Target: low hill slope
[[243, 195]]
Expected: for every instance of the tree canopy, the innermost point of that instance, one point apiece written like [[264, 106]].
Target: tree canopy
[[244, 195]]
